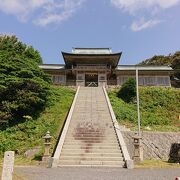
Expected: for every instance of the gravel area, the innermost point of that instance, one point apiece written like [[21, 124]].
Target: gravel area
[[81, 173]]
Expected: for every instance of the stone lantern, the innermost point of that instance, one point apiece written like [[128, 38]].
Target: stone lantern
[[138, 149], [47, 144]]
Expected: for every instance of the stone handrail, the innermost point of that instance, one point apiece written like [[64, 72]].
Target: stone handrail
[[128, 161], [55, 159]]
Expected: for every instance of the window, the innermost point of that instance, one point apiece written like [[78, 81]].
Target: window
[[123, 79], [58, 79], [141, 81], [149, 81], [163, 81]]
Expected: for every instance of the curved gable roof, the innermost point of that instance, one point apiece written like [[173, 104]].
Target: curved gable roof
[[76, 58]]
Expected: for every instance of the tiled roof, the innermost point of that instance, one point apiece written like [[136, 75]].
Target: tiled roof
[[91, 51], [146, 68], [52, 66]]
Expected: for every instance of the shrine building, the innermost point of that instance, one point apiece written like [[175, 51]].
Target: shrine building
[[100, 67]]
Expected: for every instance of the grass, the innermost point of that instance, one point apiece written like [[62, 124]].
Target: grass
[[28, 134], [156, 164], [159, 108]]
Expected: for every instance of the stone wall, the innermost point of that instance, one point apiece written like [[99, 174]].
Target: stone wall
[[156, 145]]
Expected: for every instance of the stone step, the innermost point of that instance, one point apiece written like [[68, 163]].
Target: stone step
[[74, 137], [99, 122], [100, 119], [99, 125], [101, 128], [106, 132], [98, 112], [72, 153], [90, 140], [102, 122], [94, 141], [91, 163], [94, 132], [80, 150], [90, 135], [91, 158], [99, 116], [91, 150], [95, 109], [91, 145]]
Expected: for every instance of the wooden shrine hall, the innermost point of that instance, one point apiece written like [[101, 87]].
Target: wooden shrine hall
[[100, 67]]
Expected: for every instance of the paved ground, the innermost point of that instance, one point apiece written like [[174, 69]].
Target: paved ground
[[39, 173]]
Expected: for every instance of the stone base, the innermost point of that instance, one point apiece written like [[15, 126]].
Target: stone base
[[138, 154], [137, 160], [130, 164], [53, 162], [45, 159]]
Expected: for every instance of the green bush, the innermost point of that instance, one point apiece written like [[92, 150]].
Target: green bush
[[24, 87], [25, 135], [128, 90], [159, 106]]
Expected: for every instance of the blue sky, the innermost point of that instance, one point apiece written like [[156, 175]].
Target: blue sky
[[138, 28]]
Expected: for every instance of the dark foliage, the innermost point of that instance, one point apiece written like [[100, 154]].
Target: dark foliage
[[128, 90], [174, 156], [24, 87]]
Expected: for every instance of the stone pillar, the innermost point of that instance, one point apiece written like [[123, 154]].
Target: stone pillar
[[47, 143], [138, 149], [80, 79], [8, 165], [102, 79]]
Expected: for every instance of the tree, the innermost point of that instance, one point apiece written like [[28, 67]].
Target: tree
[[176, 64], [128, 90], [24, 87], [158, 60]]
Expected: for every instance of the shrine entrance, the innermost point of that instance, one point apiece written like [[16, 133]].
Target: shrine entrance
[[91, 79]]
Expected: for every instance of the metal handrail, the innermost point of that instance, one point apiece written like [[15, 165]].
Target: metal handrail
[[92, 84]]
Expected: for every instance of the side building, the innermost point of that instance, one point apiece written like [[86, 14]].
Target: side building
[[100, 67]]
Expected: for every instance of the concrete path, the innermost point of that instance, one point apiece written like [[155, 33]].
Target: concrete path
[[82, 173]]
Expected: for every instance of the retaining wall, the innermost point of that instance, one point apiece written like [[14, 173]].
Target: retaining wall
[[156, 145]]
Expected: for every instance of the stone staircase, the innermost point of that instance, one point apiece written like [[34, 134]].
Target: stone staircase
[[91, 139]]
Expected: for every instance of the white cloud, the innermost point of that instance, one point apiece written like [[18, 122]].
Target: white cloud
[[133, 6], [41, 12], [144, 24], [57, 13], [143, 8], [22, 8]]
